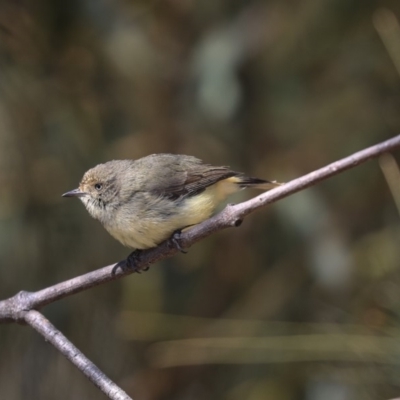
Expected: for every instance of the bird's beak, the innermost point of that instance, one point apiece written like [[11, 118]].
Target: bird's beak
[[74, 193]]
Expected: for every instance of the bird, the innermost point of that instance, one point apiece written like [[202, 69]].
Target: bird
[[143, 202]]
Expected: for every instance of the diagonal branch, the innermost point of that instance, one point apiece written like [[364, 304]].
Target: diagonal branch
[[15, 308], [42, 325]]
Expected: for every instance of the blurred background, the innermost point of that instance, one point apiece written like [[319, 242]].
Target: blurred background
[[303, 300]]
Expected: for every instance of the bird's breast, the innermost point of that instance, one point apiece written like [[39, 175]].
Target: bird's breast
[[147, 221]]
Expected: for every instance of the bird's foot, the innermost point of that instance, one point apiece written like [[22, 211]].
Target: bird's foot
[[173, 241], [130, 264]]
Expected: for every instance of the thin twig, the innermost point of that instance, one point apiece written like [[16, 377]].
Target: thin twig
[[42, 325]]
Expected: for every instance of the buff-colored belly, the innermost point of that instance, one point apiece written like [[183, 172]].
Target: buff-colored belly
[[153, 227]]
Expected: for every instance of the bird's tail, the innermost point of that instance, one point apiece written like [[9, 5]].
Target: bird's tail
[[234, 183], [256, 183]]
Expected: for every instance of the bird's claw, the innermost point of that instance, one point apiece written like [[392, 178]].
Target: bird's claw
[[130, 264], [174, 241]]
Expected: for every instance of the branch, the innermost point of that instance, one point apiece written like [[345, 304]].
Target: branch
[[15, 308], [38, 322], [22, 306]]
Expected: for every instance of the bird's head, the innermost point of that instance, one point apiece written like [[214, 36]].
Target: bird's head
[[98, 191]]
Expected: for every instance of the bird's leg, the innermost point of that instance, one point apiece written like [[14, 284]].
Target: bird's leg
[[173, 241], [130, 263]]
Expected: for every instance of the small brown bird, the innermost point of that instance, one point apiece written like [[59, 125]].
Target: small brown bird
[[143, 202]]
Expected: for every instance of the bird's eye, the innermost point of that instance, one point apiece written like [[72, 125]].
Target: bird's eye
[[98, 186]]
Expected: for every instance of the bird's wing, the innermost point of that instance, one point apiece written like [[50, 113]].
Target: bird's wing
[[183, 176], [195, 182]]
